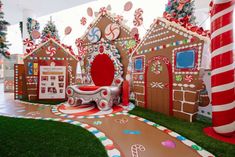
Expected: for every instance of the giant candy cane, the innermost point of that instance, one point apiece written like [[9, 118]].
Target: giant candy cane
[[222, 79]]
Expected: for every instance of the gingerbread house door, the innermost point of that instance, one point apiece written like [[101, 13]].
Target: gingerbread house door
[[158, 91]]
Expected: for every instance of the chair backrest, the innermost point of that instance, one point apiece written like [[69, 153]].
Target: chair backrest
[[102, 70], [104, 66]]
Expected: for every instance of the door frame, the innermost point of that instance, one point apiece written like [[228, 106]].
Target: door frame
[[169, 67]]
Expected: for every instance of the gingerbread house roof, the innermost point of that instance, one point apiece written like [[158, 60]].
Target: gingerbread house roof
[[162, 27], [65, 48], [112, 18]]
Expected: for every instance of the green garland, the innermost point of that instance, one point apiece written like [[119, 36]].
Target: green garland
[[172, 7]]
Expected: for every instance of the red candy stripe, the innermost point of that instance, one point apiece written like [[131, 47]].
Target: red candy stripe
[[223, 95]]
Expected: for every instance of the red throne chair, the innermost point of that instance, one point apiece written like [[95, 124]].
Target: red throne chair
[[104, 71]]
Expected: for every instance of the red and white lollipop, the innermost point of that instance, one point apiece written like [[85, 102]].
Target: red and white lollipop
[[112, 31], [51, 51], [28, 42]]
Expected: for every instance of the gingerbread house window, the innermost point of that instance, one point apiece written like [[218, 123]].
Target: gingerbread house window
[[139, 64], [185, 59]]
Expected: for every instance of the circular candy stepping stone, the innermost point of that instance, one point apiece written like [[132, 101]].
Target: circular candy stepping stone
[[168, 144]]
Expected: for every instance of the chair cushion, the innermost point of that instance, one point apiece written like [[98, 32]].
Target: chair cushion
[[88, 88]]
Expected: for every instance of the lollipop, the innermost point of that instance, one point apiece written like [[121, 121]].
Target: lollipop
[[112, 31], [51, 51], [94, 35]]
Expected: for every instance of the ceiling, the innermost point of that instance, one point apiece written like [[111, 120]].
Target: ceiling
[[13, 9]]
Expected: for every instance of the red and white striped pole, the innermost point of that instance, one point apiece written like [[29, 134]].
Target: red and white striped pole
[[222, 62]]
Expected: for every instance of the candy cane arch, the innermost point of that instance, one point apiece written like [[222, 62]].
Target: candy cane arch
[[222, 78]]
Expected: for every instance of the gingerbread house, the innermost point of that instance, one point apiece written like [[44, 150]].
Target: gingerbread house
[[166, 67], [49, 67], [110, 29]]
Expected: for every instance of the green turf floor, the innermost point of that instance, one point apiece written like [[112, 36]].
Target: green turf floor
[[38, 138], [192, 131]]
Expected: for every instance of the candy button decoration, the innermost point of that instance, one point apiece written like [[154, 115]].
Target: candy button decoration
[[97, 122], [128, 6], [112, 31], [35, 34], [168, 144], [134, 31], [67, 30], [131, 132], [94, 35]]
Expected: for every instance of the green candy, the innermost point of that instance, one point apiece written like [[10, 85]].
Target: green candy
[[130, 44], [178, 78]]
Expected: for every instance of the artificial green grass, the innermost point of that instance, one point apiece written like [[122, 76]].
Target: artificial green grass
[[192, 131], [38, 138]]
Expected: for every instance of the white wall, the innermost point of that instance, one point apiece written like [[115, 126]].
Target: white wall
[[71, 17]]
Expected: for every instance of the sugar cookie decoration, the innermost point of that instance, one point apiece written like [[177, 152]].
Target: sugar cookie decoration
[[35, 34], [112, 31], [94, 35]]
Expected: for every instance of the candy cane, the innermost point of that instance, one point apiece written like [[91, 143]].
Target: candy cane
[[222, 78], [135, 148]]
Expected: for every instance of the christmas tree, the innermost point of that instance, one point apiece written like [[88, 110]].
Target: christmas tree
[[50, 29], [3, 32], [181, 9]]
